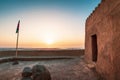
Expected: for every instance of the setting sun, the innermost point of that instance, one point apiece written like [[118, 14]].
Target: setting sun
[[49, 41], [49, 38]]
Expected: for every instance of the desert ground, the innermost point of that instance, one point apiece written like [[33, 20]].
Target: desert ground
[[72, 68]]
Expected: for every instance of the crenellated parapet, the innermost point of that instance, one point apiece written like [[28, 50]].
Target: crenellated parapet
[[94, 11], [103, 9]]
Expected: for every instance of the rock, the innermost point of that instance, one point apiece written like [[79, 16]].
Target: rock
[[15, 63], [40, 72], [26, 78], [27, 72]]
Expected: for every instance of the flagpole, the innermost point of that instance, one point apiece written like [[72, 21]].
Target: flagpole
[[17, 44], [16, 55], [17, 31]]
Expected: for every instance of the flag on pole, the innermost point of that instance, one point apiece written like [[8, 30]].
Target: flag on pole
[[17, 30]]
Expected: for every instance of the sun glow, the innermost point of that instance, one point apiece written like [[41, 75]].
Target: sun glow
[[49, 41], [49, 38]]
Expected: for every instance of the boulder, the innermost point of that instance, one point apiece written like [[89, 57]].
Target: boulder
[[27, 72], [15, 62], [40, 72], [26, 78]]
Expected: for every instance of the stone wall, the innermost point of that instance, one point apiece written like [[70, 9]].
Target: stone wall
[[116, 42], [71, 52], [105, 23]]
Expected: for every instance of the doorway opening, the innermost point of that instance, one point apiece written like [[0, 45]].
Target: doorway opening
[[94, 48]]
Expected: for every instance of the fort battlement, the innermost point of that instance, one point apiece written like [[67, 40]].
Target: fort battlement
[[103, 9], [91, 16], [95, 9]]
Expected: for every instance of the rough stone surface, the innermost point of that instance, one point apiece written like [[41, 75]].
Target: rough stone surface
[[40, 72], [105, 23], [26, 78], [15, 62], [27, 72], [65, 69]]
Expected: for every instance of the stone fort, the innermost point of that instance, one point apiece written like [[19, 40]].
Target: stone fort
[[102, 39]]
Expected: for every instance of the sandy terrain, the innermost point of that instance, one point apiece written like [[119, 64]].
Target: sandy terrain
[[64, 69]]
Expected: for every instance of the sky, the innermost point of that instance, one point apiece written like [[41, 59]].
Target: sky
[[44, 23]]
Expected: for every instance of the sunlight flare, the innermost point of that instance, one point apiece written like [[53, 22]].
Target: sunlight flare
[[49, 41], [49, 38]]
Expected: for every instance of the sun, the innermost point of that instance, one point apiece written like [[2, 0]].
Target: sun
[[49, 41], [49, 38]]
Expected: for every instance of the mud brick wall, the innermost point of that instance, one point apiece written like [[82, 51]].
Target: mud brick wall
[[104, 22]]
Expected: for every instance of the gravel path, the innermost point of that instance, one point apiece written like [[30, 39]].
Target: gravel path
[[65, 69]]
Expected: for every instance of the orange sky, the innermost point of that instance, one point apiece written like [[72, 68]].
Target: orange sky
[[53, 30], [58, 24]]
